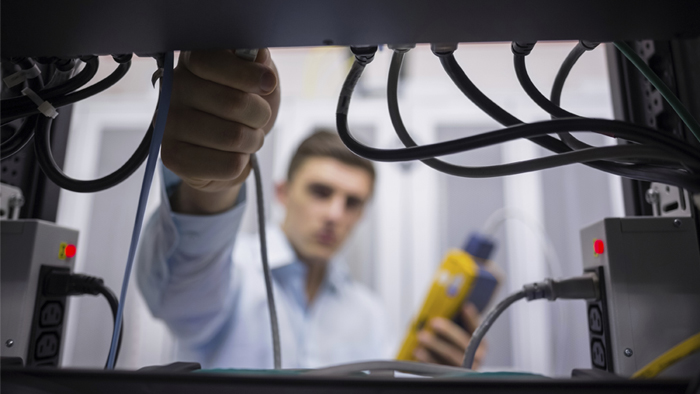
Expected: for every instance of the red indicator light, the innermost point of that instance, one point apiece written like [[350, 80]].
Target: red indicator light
[[70, 251], [598, 246]]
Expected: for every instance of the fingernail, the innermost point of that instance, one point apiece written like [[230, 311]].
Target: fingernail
[[268, 81], [422, 336]]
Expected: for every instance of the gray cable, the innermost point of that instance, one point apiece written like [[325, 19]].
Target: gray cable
[[266, 265], [486, 324], [402, 366]]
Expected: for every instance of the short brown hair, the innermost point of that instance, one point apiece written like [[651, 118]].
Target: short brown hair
[[325, 143]]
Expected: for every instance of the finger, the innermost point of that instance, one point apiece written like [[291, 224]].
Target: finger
[[227, 103], [196, 162], [209, 131], [470, 316], [424, 356], [442, 349], [451, 332], [225, 68], [264, 57]]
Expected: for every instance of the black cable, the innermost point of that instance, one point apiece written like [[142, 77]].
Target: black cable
[[19, 139], [36, 83], [113, 305], [84, 76], [534, 93], [64, 283], [499, 170], [71, 98], [558, 87], [639, 171], [455, 72], [553, 108], [486, 139], [44, 156], [500, 115]]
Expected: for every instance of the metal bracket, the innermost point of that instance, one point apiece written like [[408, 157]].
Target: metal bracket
[[11, 201], [669, 200]]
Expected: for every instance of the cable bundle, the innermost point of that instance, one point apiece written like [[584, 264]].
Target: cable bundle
[[651, 155], [41, 97]]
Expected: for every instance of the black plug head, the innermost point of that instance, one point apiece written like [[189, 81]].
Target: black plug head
[[364, 54], [521, 48], [443, 49]]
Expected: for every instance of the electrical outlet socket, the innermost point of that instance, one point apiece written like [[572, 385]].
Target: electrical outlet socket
[[595, 319], [598, 354], [46, 346], [51, 314]]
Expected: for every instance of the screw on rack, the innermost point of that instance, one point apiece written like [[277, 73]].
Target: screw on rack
[[628, 352]]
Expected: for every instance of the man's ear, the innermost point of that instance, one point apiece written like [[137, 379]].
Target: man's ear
[[281, 190]]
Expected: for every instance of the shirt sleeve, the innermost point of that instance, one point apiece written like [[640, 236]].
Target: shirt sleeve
[[184, 267]]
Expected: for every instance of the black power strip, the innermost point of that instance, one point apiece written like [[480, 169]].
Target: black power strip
[[47, 325]]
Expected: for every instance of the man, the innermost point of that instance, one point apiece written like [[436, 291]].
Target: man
[[212, 299]]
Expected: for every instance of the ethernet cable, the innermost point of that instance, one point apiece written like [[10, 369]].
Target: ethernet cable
[[584, 287], [452, 68], [364, 56], [501, 115], [25, 109], [156, 139], [665, 91], [44, 156], [250, 55], [670, 357], [520, 51], [277, 357], [39, 128], [49, 94], [558, 86]]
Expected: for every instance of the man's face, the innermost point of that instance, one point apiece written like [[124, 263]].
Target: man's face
[[324, 200]]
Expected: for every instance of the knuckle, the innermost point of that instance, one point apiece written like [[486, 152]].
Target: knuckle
[[169, 155], [235, 165], [237, 105], [194, 62], [234, 139]]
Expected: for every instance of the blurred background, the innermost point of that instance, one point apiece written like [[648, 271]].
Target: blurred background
[[416, 214]]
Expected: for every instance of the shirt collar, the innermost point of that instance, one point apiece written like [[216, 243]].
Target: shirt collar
[[281, 254]]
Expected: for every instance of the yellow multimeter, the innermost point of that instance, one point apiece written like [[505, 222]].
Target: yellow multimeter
[[458, 279], [451, 284]]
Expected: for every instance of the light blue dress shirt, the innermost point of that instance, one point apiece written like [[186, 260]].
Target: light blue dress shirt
[[212, 295]]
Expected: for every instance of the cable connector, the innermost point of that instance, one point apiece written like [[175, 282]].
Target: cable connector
[[364, 54], [584, 287], [123, 58], [62, 283], [589, 45], [443, 49], [401, 48], [522, 48]]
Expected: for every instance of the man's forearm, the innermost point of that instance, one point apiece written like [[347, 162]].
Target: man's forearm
[[191, 201]]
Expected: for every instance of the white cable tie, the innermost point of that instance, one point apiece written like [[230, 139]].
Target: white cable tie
[[21, 76], [32, 72], [44, 107], [15, 79]]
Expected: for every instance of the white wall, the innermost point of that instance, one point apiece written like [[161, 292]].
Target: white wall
[[416, 213]]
